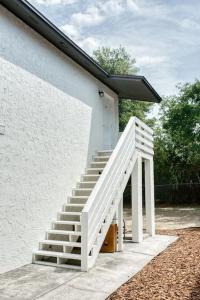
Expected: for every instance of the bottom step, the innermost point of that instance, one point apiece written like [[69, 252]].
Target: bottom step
[[57, 259], [57, 254]]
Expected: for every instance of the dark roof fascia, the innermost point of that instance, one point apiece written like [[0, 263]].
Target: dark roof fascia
[[33, 18], [138, 78]]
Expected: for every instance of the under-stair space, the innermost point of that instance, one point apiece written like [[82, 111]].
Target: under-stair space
[[62, 245]]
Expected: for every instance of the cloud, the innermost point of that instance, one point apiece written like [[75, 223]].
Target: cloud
[[97, 13], [54, 2], [70, 30], [89, 44], [92, 16], [147, 60], [190, 24], [161, 35], [112, 7], [132, 6]]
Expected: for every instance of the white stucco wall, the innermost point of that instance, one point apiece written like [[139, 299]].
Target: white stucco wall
[[54, 121]]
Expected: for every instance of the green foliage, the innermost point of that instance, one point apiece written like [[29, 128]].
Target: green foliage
[[178, 143], [161, 165], [115, 61], [177, 133], [129, 108], [119, 62]]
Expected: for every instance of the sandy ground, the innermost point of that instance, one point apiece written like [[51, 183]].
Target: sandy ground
[[170, 217]]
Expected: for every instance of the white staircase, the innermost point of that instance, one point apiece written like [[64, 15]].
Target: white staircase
[[77, 235], [62, 246]]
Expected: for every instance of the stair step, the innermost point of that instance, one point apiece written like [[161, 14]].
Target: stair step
[[60, 222], [57, 254], [73, 207], [70, 213], [104, 152], [61, 243], [101, 158], [94, 171], [86, 184], [82, 192], [78, 199], [64, 232], [98, 164], [90, 177], [74, 204]]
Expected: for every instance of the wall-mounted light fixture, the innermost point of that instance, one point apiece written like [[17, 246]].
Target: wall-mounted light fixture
[[106, 96], [101, 93]]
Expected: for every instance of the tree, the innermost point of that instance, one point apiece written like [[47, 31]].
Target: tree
[[179, 149], [117, 61], [162, 173]]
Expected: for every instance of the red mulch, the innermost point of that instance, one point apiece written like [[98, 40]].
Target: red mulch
[[172, 275]]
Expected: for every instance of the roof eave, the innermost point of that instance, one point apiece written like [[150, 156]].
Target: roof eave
[[32, 17]]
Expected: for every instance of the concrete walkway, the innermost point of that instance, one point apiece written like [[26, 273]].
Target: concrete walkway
[[111, 271]]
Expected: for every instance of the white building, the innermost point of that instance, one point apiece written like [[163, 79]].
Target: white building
[[52, 122]]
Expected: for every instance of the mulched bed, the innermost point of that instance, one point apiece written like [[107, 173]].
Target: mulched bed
[[172, 275]]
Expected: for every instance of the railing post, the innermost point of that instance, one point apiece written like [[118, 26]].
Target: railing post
[[136, 184], [120, 225], [84, 241], [149, 196]]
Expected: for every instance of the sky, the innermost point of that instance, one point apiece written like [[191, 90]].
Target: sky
[[163, 36]]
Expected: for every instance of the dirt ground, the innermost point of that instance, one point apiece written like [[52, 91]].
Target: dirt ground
[[175, 273], [171, 217], [172, 275]]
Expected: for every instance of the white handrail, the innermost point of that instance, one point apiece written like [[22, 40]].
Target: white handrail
[[136, 136], [108, 165]]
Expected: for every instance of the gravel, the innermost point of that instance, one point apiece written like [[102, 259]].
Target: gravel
[[172, 275]]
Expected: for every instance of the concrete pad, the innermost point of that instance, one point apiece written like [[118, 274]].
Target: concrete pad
[[28, 282], [70, 293], [150, 245], [111, 271]]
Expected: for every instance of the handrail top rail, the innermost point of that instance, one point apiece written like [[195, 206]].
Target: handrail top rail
[[108, 166]]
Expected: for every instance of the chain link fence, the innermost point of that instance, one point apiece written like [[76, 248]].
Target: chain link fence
[[183, 193], [175, 194]]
